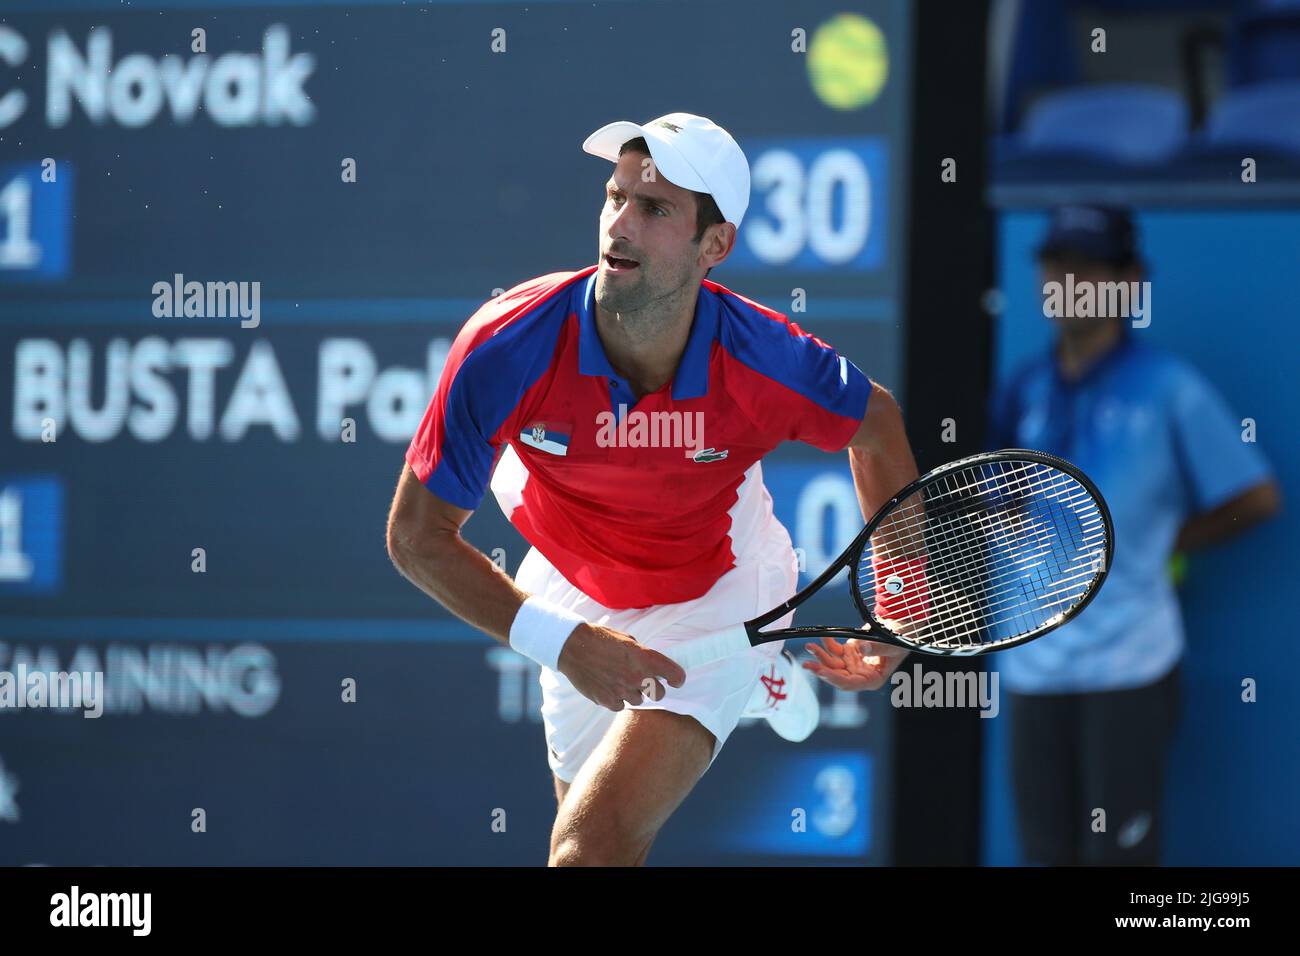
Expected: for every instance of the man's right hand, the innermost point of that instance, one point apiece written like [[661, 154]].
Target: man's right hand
[[611, 669]]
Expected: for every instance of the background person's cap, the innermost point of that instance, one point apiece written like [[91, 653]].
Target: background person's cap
[[690, 151], [1100, 233]]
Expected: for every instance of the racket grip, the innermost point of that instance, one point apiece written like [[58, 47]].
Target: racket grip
[[699, 651]]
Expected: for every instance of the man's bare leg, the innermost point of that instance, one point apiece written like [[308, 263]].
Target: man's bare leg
[[561, 788], [647, 763]]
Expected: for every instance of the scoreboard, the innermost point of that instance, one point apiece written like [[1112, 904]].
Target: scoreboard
[[236, 241]]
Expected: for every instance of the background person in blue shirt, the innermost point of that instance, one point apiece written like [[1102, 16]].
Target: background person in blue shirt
[[1093, 706]]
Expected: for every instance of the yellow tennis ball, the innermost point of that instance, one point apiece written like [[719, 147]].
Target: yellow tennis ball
[[848, 61]]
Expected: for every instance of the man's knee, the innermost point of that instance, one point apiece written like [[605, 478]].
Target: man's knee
[[601, 848], [644, 767], [577, 852], [594, 830]]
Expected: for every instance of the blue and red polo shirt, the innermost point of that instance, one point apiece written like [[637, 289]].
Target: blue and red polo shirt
[[636, 502]]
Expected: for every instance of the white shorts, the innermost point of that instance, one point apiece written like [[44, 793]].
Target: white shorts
[[715, 694]]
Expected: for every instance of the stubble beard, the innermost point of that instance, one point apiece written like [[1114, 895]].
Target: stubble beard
[[642, 311], [630, 298]]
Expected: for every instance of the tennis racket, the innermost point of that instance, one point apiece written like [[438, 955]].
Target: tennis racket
[[979, 555]]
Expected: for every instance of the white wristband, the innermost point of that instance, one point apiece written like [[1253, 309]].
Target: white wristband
[[540, 630]]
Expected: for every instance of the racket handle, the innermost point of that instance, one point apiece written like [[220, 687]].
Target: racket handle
[[699, 651]]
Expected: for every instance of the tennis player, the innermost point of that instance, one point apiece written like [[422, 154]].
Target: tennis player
[[620, 414]]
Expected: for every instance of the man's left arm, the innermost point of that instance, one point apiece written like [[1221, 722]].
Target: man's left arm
[[1230, 485], [1253, 506], [881, 460]]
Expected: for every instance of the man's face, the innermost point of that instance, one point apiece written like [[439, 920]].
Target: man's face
[[1056, 268], [646, 228]]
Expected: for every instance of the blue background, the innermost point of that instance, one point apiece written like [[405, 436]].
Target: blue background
[[470, 178], [1223, 297]]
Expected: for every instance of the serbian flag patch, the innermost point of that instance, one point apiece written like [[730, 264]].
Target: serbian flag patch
[[549, 437]]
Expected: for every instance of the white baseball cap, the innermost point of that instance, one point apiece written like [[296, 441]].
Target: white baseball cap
[[691, 152]]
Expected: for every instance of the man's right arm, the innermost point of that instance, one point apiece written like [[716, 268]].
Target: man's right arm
[[426, 546]]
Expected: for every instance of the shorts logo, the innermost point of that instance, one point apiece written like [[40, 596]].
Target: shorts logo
[[775, 687], [549, 437]]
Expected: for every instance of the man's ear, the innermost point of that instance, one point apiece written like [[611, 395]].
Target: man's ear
[[719, 240]]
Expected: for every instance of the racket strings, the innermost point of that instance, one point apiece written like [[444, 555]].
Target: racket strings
[[1003, 549], [997, 527], [979, 599], [956, 611], [938, 518], [914, 543], [914, 508], [984, 490], [970, 599], [970, 547]]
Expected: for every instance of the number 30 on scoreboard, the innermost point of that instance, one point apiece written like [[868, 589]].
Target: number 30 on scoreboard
[[815, 204]]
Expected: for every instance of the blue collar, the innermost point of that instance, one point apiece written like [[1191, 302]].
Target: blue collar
[[691, 380]]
